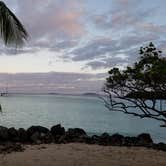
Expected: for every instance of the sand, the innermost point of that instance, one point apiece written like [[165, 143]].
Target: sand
[[76, 154]]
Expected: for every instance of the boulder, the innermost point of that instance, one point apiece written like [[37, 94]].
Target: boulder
[[57, 130], [75, 135], [130, 141], [116, 140], [104, 139], [36, 137], [47, 138], [4, 136], [34, 129], [39, 138], [144, 139], [36, 134], [160, 146], [95, 139], [61, 139], [76, 132], [23, 136], [13, 134], [89, 140]]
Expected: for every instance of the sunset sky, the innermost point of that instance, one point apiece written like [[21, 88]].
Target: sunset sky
[[73, 43]]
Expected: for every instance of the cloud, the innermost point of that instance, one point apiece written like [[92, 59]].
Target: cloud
[[52, 82], [128, 25], [96, 40], [94, 49], [125, 14], [64, 44], [107, 63], [105, 52], [52, 18], [50, 23]]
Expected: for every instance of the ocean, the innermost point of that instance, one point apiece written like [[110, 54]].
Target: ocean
[[71, 111]]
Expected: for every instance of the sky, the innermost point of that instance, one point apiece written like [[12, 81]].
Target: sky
[[73, 43]]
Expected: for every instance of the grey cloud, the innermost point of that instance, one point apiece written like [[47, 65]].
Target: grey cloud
[[94, 49], [125, 14], [107, 63], [51, 24], [104, 52], [96, 64], [51, 82], [128, 27], [136, 40], [63, 44], [57, 25]]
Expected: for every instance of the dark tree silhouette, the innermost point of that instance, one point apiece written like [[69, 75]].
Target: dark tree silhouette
[[11, 29], [139, 89]]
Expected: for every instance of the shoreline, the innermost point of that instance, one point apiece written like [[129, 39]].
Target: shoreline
[[12, 139], [40, 146]]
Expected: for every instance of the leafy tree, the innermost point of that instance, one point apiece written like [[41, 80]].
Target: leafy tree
[[11, 29], [139, 89]]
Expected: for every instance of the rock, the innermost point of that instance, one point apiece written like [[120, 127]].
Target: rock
[[80, 139], [76, 132], [144, 139], [116, 140], [4, 136], [47, 138], [23, 137], [35, 137], [89, 140], [40, 129], [61, 140], [57, 130], [37, 133], [74, 135], [130, 141], [13, 134], [95, 139], [160, 146], [104, 139]]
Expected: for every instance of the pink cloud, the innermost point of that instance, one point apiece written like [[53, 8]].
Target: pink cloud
[[52, 19]]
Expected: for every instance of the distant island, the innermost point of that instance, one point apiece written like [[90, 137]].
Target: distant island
[[52, 93], [90, 94]]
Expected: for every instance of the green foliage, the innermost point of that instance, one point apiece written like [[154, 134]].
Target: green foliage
[[146, 75], [137, 89], [11, 29]]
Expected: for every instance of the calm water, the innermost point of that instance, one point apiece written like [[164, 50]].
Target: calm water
[[85, 112]]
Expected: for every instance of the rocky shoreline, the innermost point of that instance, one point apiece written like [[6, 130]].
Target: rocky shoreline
[[12, 139]]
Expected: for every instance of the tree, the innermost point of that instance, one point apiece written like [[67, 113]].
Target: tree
[[139, 89], [11, 29]]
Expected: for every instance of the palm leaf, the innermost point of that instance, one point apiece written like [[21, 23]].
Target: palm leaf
[[11, 29]]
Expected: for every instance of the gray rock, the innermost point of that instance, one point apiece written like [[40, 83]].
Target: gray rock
[[13, 134], [34, 129], [23, 137], [57, 130], [35, 137], [144, 139], [4, 136], [116, 139]]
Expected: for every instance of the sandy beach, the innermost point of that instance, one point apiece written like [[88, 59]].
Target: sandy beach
[[76, 154]]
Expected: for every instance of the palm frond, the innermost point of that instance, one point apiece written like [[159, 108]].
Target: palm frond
[[11, 29]]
